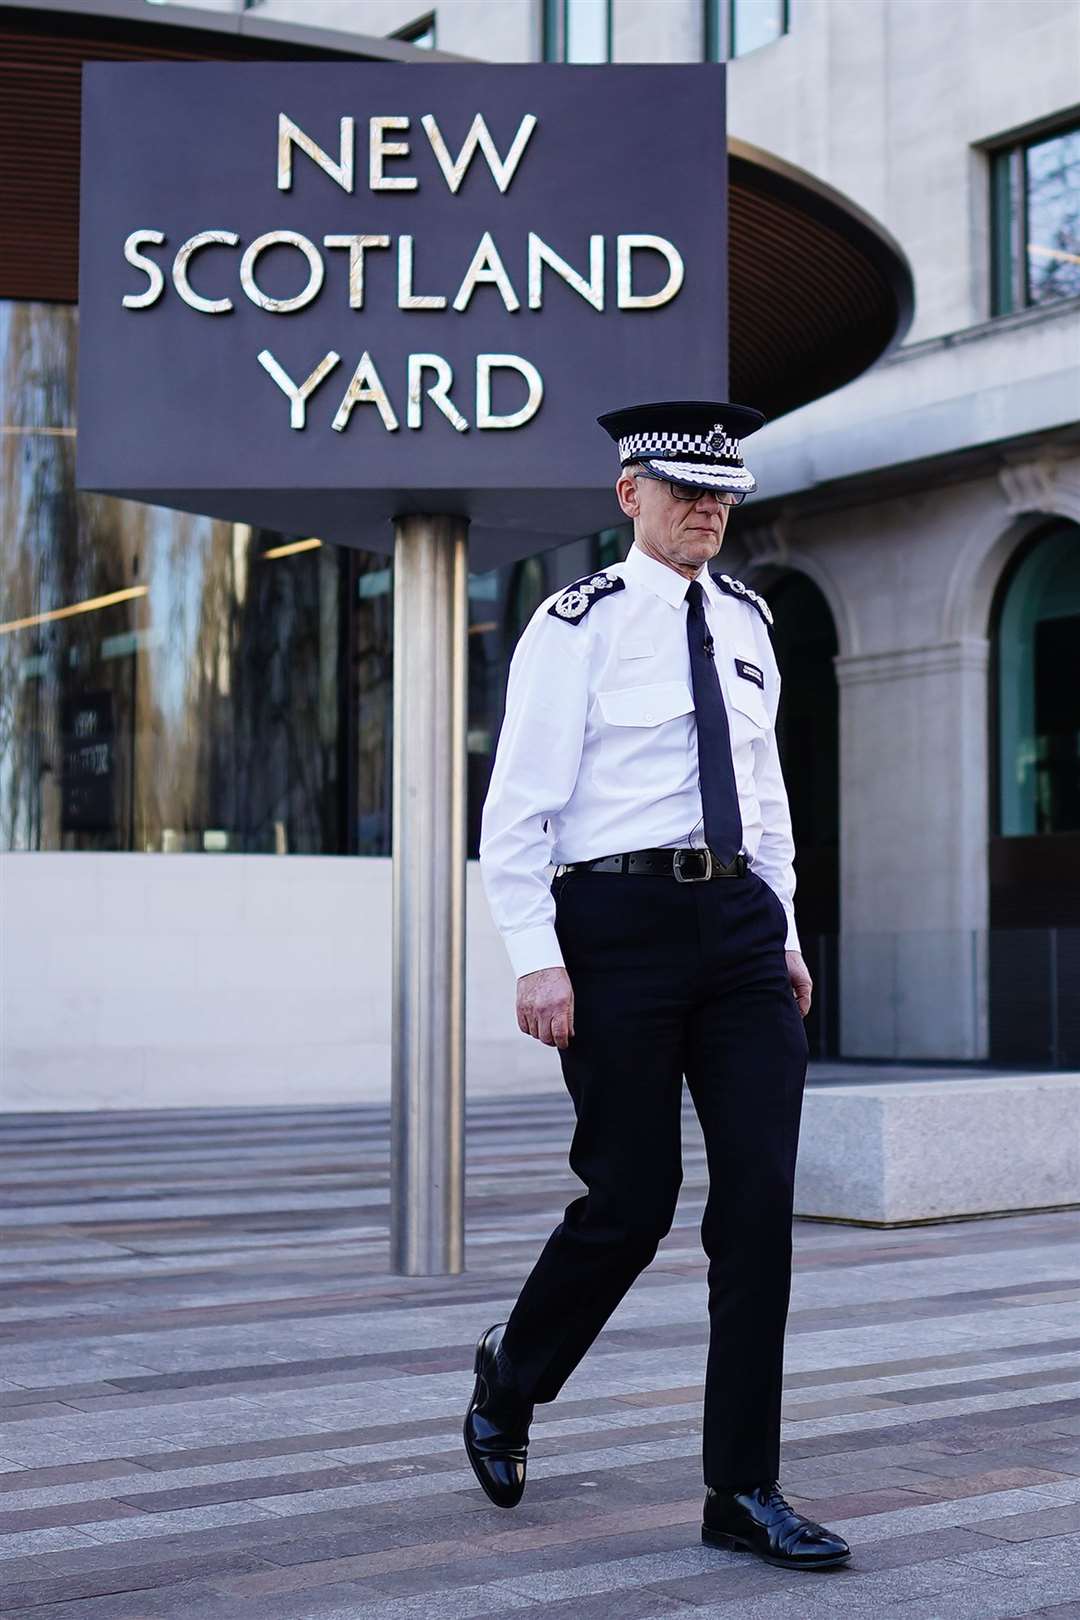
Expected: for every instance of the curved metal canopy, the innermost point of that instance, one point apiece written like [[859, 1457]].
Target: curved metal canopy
[[818, 290]]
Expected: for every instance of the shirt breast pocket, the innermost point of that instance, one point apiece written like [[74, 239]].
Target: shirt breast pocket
[[646, 705], [749, 703]]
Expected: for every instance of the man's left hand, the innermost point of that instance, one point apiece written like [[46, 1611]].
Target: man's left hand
[[801, 982]]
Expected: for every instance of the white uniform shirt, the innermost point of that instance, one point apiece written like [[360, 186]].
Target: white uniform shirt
[[598, 749]]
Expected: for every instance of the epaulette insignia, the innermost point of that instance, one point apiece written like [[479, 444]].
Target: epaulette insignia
[[735, 587], [576, 600]]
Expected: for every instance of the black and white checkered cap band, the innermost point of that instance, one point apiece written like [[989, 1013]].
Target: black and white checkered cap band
[[716, 445], [710, 475]]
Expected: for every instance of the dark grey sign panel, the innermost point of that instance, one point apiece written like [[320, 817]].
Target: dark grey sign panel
[[317, 295]]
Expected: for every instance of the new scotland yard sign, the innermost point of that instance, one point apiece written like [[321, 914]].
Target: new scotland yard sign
[[314, 296]]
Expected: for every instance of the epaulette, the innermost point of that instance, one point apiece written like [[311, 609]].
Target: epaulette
[[735, 587], [574, 602]]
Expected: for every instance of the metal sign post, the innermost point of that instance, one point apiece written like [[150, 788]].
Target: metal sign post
[[427, 1193]]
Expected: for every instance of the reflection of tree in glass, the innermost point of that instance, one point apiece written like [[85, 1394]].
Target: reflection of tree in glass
[[262, 695], [373, 688], [1053, 218], [56, 549], [221, 674]]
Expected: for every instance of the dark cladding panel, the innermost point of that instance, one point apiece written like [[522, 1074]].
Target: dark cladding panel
[[41, 58]]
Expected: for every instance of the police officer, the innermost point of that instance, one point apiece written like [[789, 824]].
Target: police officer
[[638, 756]]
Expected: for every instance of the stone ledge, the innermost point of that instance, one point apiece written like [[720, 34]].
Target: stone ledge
[[898, 1153]]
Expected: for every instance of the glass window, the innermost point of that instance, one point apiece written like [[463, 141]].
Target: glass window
[[577, 30], [735, 27], [371, 702], [613, 544], [1035, 222], [421, 32], [528, 588], [1039, 690], [501, 603], [167, 682], [1052, 177], [486, 676], [756, 22]]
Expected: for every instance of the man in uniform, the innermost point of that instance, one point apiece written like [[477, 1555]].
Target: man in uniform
[[638, 755]]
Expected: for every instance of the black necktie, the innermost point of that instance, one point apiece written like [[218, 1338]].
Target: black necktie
[[719, 795]]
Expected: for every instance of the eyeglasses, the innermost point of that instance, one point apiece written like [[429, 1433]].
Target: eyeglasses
[[694, 492]]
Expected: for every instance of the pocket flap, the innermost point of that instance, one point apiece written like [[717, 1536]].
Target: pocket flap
[[646, 705], [749, 700]]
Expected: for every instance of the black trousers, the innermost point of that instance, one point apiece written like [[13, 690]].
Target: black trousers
[[674, 980]]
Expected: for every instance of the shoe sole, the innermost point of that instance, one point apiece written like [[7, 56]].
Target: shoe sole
[[465, 1426], [721, 1538]]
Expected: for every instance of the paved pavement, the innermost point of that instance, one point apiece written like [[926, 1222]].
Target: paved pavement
[[216, 1402]]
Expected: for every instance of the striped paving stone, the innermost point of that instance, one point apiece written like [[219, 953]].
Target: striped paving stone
[[217, 1401]]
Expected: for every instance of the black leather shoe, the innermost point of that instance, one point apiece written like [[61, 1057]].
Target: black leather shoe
[[497, 1425], [759, 1518]]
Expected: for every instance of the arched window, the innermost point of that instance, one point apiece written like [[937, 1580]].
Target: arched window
[[1038, 689]]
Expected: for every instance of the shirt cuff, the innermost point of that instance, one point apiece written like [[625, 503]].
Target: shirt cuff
[[792, 941], [533, 949]]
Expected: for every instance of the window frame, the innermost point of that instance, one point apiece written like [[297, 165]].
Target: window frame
[[555, 31], [415, 30], [718, 29], [1009, 279]]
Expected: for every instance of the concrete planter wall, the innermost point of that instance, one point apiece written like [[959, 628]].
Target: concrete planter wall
[[891, 1153]]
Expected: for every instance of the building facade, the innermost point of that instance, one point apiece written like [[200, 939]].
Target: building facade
[[934, 505], [174, 685]]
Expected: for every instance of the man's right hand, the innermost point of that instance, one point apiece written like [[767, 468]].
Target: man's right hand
[[545, 1006]]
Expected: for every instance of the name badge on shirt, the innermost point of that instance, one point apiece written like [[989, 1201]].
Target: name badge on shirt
[[750, 672]]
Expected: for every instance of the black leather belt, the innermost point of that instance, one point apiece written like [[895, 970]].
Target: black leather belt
[[684, 865]]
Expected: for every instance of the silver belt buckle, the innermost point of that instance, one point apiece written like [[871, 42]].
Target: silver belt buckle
[[699, 877]]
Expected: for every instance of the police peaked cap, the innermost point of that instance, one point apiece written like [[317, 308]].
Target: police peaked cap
[[693, 441]]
